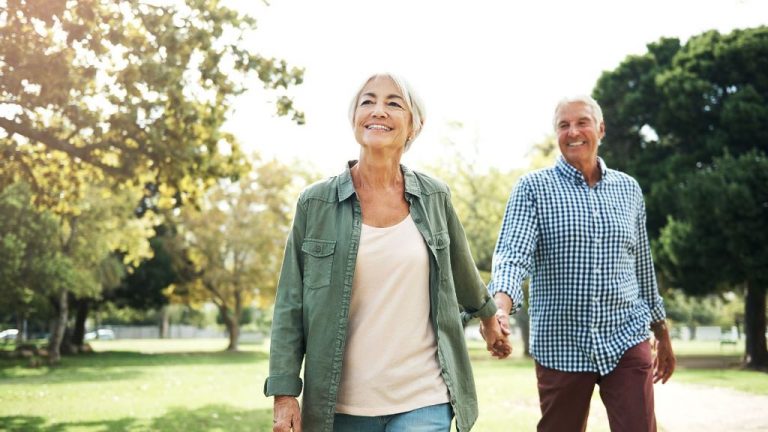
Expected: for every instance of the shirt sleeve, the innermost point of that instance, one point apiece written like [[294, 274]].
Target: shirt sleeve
[[287, 346], [471, 292], [646, 276], [513, 256]]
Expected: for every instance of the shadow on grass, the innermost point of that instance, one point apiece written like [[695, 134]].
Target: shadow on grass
[[87, 367], [210, 417]]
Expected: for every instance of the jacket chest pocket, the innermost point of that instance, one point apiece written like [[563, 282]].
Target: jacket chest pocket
[[318, 262], [439, 243]]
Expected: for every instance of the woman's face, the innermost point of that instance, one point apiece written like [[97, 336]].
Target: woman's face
[[382, 119]]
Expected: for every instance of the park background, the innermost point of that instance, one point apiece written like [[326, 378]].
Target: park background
[[152, 152]]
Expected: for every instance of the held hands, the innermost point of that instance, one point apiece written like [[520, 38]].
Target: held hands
[[287, 415], [495, 330]]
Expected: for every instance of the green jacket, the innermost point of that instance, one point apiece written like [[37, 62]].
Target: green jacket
[[313, 295]]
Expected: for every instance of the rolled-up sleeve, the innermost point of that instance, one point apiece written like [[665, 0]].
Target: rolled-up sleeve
[[287, 346]]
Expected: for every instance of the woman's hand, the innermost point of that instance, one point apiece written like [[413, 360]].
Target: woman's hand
[[287, 415], [495, 330]]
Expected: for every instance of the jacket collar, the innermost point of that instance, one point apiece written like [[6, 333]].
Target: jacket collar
[[346, 188]]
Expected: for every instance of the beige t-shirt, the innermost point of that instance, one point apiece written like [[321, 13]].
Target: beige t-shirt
[[390, 361]]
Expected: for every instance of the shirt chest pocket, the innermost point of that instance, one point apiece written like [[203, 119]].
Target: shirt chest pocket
[[318, 262]]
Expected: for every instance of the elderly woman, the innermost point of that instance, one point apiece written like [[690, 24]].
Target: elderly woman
[[376, 270]]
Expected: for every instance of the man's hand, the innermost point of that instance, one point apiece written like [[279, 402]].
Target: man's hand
[[664, 363], [498, 346], [287, 415]]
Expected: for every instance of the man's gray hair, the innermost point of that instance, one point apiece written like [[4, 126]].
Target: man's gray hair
[[412, 100], [597, 112]]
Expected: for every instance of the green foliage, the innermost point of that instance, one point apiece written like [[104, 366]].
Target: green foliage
[[721, 240], [130, 90], [31, 263], [228, 250]]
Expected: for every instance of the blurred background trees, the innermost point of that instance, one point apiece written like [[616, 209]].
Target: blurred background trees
[[100, 100]]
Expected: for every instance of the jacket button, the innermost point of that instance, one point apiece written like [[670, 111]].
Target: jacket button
[[317, 248], [429, 242]]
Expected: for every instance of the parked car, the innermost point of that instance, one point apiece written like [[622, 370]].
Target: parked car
[[101, 334], [8, 335]]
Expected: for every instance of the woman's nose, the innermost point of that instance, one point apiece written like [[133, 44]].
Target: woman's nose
[[379, 111]]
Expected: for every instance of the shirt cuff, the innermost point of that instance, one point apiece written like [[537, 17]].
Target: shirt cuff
[[282, 385], [658, 313]]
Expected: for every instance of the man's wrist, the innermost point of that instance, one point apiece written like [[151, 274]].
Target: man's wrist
[[503, 302], [660, 329]]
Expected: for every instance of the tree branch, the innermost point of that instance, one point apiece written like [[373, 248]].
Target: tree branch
[[54, 143]]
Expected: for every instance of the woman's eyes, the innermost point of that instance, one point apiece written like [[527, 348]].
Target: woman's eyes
[[391, 103]]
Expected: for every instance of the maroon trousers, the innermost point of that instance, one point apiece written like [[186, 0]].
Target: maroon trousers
[[627, 392]]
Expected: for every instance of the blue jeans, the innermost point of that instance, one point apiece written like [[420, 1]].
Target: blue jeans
[[434, 418]]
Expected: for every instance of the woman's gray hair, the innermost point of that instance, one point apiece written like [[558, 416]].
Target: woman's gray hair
[[597, 112], [412, 100]]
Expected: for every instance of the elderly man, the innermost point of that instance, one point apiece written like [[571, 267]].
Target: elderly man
[[578, 229]]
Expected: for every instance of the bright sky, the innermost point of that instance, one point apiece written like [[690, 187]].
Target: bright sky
[[498, 67]]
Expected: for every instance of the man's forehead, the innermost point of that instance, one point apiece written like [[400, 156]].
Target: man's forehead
[[587, 110]]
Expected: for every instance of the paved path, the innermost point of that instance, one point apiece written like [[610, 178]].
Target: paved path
[[689, 407]]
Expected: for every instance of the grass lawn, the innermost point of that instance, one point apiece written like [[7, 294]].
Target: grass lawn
[[191, 385]]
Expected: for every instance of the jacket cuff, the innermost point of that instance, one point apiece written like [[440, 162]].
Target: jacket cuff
[[282, 385], [486, 310]]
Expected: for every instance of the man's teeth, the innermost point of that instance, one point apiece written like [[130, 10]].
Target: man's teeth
[[378, 127], [575, 144]]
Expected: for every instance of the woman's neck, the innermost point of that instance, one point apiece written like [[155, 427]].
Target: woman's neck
[[372, 172]]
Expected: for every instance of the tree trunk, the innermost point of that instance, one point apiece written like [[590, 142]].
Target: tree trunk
[[756, 355], [57, 330], [165, 321], [81, 315], [233, 327], [21, 324]]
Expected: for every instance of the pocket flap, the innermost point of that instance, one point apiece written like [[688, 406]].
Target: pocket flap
[[318, 248], [440, 240]]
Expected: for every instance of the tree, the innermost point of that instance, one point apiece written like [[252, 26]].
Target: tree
[[232, 244], [31, 265], [144, 287], [132, 91], [102, 224], [720, 240], [672, 115]]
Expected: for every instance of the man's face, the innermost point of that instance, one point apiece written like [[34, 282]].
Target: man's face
[[578, 135]]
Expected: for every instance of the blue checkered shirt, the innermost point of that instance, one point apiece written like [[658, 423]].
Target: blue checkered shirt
[[593, 290]]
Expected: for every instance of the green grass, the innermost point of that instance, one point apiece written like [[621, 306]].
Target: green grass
[[191, 385], [188, 389]]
